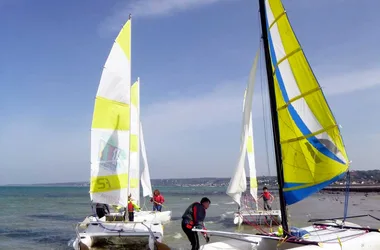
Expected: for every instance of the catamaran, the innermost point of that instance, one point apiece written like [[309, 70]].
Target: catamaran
[[309, 149], [115, 159], [246, 212]]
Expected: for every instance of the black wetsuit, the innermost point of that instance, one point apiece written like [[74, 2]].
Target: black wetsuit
[[101, 210], [193, 217]]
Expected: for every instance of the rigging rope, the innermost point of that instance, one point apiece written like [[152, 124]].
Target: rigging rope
[[263, 93]]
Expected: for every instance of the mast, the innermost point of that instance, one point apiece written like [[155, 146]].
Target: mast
[[273, 108], [130, 104], [138, 139]]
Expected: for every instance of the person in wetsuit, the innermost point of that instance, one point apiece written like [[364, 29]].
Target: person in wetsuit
[[102, 210], [193, 218]]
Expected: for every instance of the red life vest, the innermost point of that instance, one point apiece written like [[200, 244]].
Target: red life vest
[[130, 206], [266, 196], [159, 199]]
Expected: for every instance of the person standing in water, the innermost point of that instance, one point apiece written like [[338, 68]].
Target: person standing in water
[[193, 218], [268, 198], [157, 200]]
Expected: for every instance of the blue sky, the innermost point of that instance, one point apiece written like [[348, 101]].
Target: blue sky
[[193, 58]]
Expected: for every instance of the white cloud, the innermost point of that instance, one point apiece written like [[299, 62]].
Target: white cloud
[[348, 82], [150, 8], [223, 105], [162, 7]]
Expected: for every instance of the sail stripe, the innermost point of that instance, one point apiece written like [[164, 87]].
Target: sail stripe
[[299, 97], [112, 182], [110, 114], [293, 112], [293, 195], [306, 136]]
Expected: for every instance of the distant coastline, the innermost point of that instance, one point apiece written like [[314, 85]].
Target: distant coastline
[[361, 181]]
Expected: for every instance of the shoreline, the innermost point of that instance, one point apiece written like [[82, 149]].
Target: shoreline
[[353, 188]]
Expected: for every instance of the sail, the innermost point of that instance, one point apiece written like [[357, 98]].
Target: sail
[[251, 161], [111, 125], [313, 153], [134, 171], [145, 176], [238, 182], [251, 158]]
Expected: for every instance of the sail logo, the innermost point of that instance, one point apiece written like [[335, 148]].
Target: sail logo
[[109, 156]]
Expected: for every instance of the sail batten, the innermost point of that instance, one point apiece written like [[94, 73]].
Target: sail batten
[[313, 153], [110, 129]]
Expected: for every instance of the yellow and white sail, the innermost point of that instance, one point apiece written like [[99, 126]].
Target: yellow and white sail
[[313, 153], [238, 182], [134, 166], [110, 130]]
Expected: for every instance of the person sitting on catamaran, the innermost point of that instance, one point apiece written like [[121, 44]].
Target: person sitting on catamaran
[[132, 206], [193, 218], [157, 200], [101, 209], [268, 198]]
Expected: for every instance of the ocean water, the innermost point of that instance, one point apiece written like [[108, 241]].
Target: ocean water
[[45, 217]]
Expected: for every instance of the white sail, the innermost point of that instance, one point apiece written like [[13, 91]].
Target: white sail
[[251, 161], [134, 171], [145, 176], [111, 126], [238, 183]]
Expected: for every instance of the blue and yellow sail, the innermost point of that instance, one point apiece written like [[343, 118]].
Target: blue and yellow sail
[[313, 153]]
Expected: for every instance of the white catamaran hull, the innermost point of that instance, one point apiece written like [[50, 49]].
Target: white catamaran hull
[[162, 217], [258, 217], [329, 238], [93, 233]]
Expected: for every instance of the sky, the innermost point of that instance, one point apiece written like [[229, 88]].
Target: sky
[[193, 58]]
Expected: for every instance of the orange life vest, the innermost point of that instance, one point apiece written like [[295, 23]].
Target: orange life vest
[[130, 206]]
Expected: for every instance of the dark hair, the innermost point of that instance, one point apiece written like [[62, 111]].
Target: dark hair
[[265, 188], [156, 191], [205, 199]]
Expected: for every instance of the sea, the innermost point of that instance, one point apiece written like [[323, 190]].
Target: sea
[[36, 217]]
